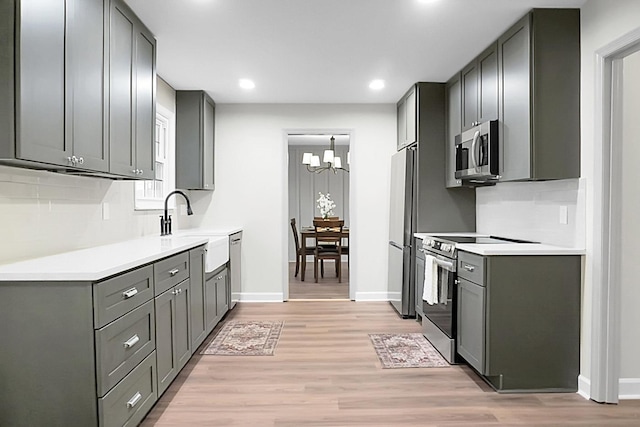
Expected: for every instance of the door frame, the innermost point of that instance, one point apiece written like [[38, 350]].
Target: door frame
[[352, 202], [606, 289]]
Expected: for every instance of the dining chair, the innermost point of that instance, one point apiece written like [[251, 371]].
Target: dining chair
[[300, 256], [328, 244]]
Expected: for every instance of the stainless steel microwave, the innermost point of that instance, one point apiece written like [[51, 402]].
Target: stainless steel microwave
[[477, 160]]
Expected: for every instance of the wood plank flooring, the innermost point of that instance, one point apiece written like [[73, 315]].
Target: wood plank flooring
[[325, 372], [327, 286]]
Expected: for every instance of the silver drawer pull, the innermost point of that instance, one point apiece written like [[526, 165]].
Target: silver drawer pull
[[131, 292], [131, 341], [174, 271], [135, 399], [469, 267]]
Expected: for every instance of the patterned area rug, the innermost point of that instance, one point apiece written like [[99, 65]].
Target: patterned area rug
[[249, 338], [406, 351]]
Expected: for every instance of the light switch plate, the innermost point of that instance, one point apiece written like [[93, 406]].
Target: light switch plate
[[564, 215]]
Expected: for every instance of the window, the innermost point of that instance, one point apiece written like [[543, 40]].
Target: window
[[150, 195]]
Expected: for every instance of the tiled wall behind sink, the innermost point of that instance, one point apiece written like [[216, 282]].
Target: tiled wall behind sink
[[43, 213], [534, 211]]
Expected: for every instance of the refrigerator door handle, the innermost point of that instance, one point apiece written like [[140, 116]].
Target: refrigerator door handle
[[395, 245]]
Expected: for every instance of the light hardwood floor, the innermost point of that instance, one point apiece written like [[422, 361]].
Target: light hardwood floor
[[325, 373], [327, 286]]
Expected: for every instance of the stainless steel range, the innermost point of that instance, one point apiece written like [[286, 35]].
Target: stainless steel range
[[439, 299]]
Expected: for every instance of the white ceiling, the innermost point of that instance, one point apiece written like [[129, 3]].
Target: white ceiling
[[322, 51]]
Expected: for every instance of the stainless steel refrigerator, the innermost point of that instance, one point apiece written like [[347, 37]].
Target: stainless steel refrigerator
[[401, 229]]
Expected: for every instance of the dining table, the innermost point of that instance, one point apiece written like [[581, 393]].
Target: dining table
[[310, 233]]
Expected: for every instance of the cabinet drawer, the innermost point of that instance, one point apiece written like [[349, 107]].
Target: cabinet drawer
[[169, 272], [119, 295], [122, 344], [129, 401], [471, 267]]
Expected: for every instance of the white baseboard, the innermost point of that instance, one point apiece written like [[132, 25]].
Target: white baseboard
[[261, 297], [372, 296], [584, 387], [629, 388]]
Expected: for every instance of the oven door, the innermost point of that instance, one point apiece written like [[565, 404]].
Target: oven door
[[443, 314]]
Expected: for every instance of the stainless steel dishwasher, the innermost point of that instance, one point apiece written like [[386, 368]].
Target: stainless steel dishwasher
[[235, 269]]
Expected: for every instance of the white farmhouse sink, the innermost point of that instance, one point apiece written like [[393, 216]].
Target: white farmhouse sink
[[217, 250]]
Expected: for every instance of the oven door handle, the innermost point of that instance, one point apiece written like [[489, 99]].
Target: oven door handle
[[445, 264]]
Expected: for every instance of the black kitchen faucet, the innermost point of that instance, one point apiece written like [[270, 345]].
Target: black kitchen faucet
[[165, 221]]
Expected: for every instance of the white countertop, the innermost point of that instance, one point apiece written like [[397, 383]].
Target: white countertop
[[99, 262], [506, 248], [215, 231]]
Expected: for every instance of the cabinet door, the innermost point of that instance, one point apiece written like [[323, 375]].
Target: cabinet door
[[210, 304], [121, 80], [419, 281], [488, 84], [221, 295], [469, 82], [85, 109], [411, 106], [471, 323], [198, 320], [514, 109], [182, 330], [165, 339], [235, 269], [208, 164], [453, 110], [41, 64], [401, 117], [145, 117]]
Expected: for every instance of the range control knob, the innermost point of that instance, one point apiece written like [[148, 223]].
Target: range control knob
[[427, 242]]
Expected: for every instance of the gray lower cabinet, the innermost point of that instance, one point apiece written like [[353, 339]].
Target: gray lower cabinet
[[112, 346], [132, 92], [519, 320], [197, 307], [215, 289], [173, 338], [539, 108], [419, 273], [195, 140]]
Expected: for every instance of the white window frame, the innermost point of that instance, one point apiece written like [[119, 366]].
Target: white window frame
[[168, 117]]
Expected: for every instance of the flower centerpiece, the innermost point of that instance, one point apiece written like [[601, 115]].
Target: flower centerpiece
[[326, 205]]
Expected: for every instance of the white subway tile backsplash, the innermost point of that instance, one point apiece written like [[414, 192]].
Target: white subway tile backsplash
[[531, 211]]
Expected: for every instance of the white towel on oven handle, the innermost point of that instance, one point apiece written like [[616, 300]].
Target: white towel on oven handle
[[430, 288]]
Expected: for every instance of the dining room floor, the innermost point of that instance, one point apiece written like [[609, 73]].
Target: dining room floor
[[327, 286]]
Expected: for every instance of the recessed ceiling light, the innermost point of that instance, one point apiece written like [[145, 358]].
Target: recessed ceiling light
[[376, 84], [246, 84]]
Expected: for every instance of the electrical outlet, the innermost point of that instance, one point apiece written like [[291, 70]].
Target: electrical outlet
[[564, 215], [105, 211]]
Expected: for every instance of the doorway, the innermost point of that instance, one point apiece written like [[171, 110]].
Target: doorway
[[615, 373], [304, 187]]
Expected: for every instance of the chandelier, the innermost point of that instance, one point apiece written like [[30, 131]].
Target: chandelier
[[333, 162]]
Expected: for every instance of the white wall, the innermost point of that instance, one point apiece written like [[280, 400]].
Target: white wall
[[532, 211], [43, 213], [602, 22], [630, 241], [251, 188]]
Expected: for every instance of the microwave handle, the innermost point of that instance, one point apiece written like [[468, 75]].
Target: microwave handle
[[474, 161]]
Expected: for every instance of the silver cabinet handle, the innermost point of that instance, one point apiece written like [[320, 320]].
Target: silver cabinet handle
[[174, 271], [134, 171], [469, 267], [131, 341], [140, 171], [80, 160], [219, 278], [129, 293], [135, 399], [174, 292]]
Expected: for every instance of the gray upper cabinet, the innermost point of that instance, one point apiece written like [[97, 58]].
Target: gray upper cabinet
[[132, 89], [453, 113], [52, 93], [539, 96], [479, 86], [195, 140], [407, 119]]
